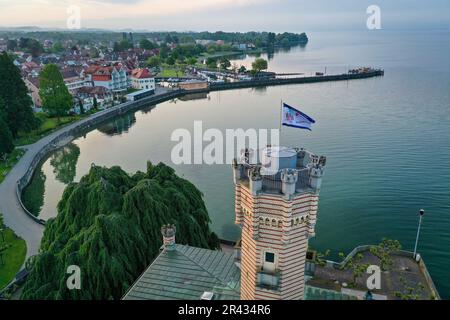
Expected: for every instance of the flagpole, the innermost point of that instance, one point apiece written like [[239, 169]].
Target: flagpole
[[281, 115]]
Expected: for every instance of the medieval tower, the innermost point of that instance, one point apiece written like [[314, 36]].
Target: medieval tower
[[277, 213]]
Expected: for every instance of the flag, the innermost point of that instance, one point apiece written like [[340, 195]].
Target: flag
[[292, 117]]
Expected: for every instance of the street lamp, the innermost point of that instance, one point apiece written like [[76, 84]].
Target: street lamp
[[421, 214]]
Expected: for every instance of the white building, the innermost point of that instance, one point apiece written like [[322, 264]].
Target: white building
[[141, 79], [113, 78]]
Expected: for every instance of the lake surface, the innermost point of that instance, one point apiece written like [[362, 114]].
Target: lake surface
[[387, 141]]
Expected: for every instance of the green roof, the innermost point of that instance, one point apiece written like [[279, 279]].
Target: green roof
[[186, 273]]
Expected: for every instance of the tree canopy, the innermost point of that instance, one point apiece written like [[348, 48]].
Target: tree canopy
[[259, 64], [147, 44], [6, 138], [109, 224], [56, 99], [16, 104]]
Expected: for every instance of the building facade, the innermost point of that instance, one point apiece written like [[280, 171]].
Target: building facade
[[277, 214], [113, 78], [141, 79]]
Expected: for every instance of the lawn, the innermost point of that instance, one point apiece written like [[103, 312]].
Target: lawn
[[6, 166], [47, 125], [13, 256], [171, 73]]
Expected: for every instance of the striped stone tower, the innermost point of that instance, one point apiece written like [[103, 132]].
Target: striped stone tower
[[277, 214]]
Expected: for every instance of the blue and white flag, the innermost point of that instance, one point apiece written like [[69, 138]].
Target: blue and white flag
[[292, 117]]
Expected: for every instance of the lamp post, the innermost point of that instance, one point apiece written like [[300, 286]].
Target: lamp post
[[421, 214]]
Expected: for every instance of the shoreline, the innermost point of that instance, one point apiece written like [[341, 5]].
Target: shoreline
[[17, 216]]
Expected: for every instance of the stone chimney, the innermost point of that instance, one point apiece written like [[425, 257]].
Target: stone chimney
[[168, 233]]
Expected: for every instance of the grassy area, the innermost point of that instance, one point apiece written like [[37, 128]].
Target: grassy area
[[13, 250], [47, 125], [171, 73], [12, 159], [220, 54]]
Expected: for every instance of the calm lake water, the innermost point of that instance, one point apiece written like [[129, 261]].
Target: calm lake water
[[387, 141]]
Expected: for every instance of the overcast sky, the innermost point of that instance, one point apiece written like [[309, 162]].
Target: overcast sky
[[227, 15]]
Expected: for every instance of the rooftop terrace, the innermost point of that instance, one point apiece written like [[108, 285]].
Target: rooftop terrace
[[280, 170]]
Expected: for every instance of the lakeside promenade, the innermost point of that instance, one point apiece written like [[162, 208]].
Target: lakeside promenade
[[30, 228]]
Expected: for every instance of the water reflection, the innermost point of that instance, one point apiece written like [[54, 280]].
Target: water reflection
[[33, 194], [64, 163], [119, 125], [195, 96]]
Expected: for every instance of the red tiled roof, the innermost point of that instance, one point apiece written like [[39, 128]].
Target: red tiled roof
[[140, 74]]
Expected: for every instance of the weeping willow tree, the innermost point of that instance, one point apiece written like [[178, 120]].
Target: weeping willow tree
[[109, 225]]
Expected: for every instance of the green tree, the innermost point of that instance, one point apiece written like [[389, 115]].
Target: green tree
[[6, 138], [16, 105], [11, 44], [271, 39], [211, 63], [55, 97], [242, 69], [164, 51], [146, 44], [259, 65], [384, 252], [109, 225], [410, 292], [225, 63], [191, 61], [354, 264], [154, 62], [170, 61], [94, 53], [81, 106], [57, 47]]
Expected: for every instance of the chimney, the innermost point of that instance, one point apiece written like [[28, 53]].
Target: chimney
[[168, 233]]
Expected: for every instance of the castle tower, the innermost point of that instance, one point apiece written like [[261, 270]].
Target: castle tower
[[277, 214]]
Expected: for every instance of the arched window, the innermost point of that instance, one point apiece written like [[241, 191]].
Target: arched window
[[274, 223], [280, 224], [296, 221], [267, 222]]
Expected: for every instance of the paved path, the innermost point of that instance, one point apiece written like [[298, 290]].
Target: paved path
[[14, 215]]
